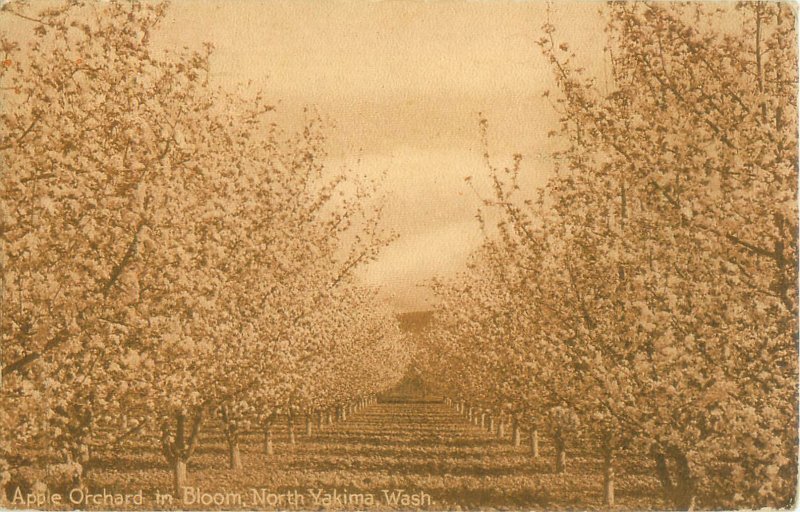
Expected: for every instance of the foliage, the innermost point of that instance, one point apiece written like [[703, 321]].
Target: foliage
[[651, 285], [167, 250]]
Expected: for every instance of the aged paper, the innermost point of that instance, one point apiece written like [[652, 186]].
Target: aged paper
[[398, 255]]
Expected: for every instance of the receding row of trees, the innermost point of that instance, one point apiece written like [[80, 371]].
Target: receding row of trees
[[167, 253], [646, 298]]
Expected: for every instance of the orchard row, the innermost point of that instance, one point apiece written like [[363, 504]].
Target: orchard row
[[645, 302], [167, 252]]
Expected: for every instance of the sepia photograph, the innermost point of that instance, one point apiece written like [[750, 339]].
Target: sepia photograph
[[378, 255]]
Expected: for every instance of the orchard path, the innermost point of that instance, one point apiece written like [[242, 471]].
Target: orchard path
[[429, 447], [416, 447]]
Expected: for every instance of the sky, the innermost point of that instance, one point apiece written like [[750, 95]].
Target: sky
[[401, 85]]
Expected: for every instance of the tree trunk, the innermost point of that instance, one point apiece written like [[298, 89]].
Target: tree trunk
[[329, 420], [78, 454], [234, 455], [561, 452], [678, 492], [662, 472], [308, 425], [608, 477], [268, 447], [178, 449], [483, 420], [469, 414], [501, 429], [516, 435], [290, 427], [490, 427], [534, 443], [319, 420], [685, 488], [84, 460], [231, 431], [608, 481], [179, 475]]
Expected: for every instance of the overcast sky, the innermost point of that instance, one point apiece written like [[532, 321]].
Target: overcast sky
[[404, 83]]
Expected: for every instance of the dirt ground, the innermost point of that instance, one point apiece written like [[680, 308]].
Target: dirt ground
[[387, 456]]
